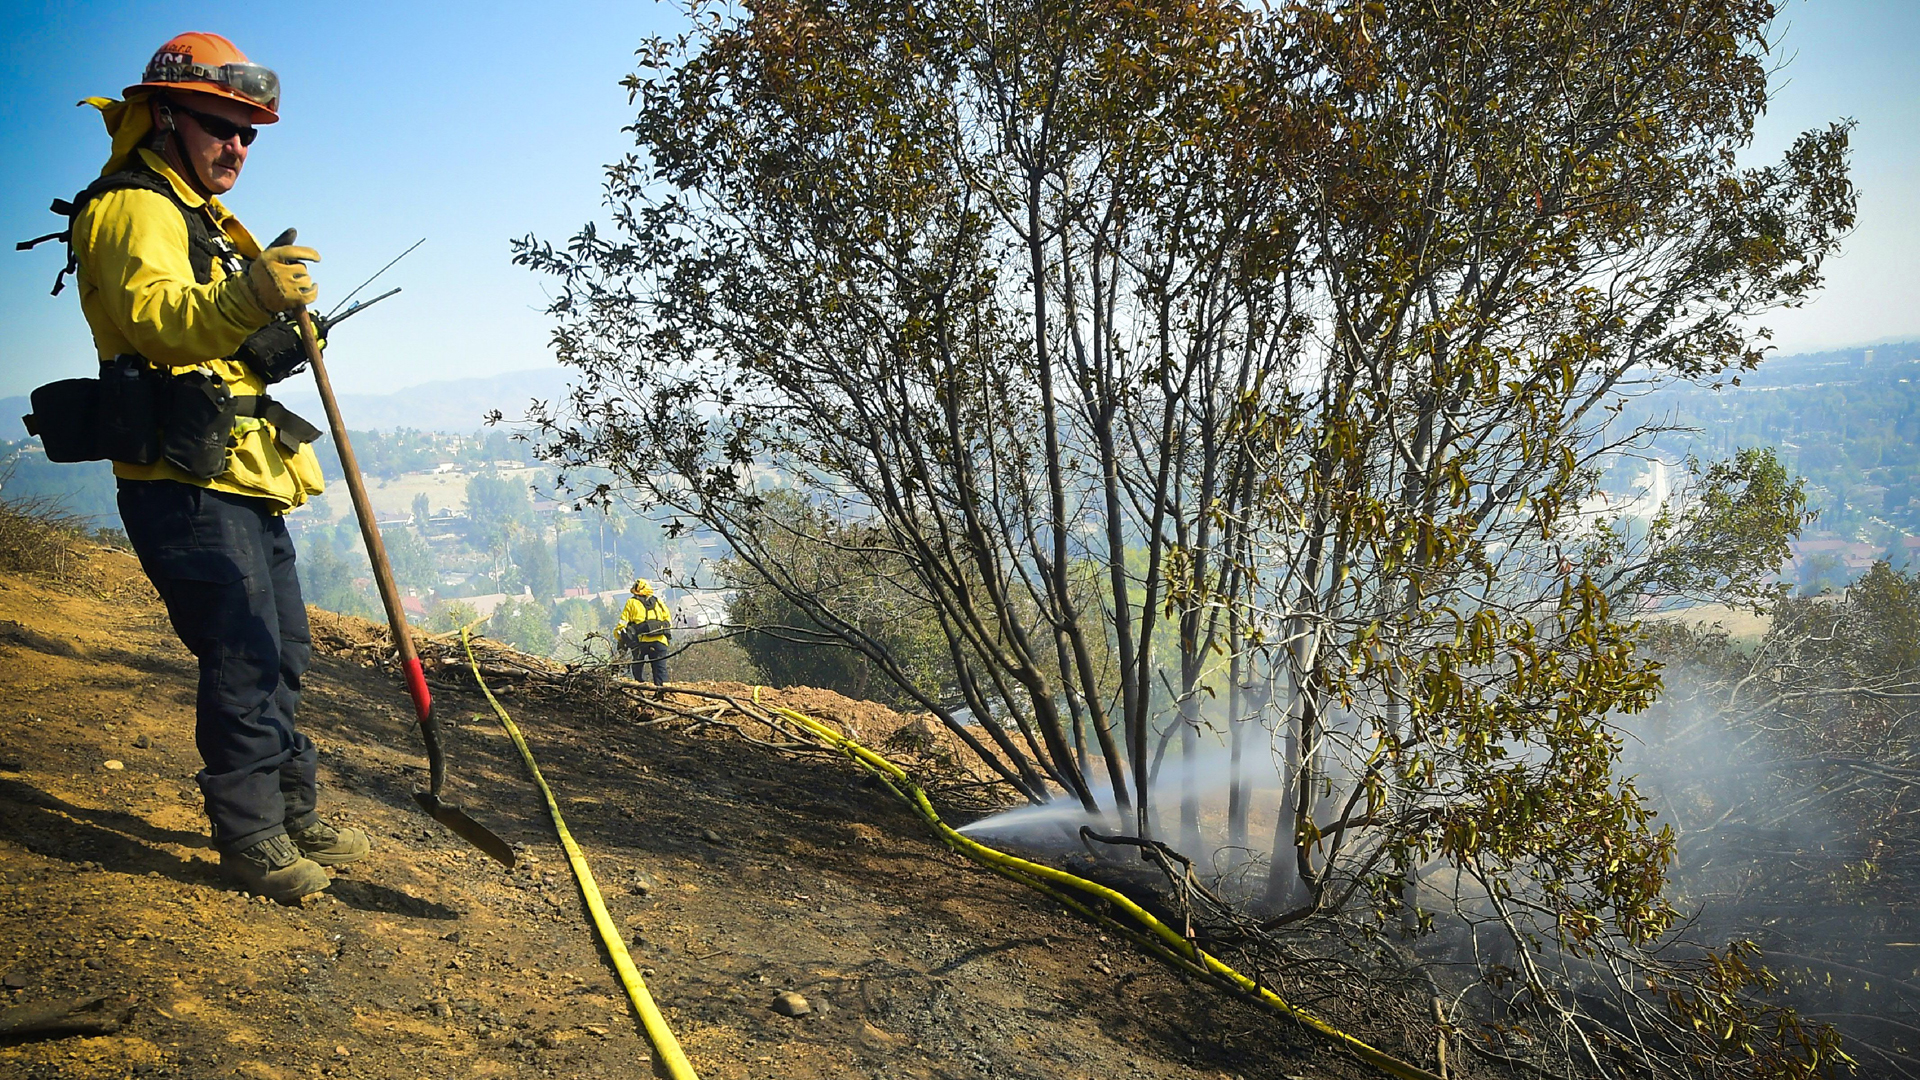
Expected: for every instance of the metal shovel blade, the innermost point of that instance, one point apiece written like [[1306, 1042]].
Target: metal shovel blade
[[465, 827]]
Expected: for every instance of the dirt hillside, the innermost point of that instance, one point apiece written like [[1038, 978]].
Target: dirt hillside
[[738, 871]]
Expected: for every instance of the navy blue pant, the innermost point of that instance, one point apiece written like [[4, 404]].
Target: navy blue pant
[[654, 652], [224, 566]]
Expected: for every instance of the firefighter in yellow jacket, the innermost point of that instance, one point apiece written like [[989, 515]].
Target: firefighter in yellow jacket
[[645, 626], [191, 318]]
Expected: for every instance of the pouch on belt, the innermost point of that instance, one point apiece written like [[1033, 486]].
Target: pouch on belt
[[132, 394], [200, 412], [63, 417]]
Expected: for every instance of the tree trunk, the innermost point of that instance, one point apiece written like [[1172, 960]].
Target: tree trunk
[[1190, 780], [1236, 744], [1283, 876]]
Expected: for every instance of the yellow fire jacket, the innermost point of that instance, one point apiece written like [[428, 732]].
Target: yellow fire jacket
[[639, 610], [139, 295]]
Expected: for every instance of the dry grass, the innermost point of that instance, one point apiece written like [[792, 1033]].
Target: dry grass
[[1742, 625], [394, 495], [39, 538]]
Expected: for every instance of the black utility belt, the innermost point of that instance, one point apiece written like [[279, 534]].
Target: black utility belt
[[142, 415]]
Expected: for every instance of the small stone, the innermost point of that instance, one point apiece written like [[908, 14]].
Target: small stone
[[94, 963], [442, 1010], [15, 980], [550, 1040], [143, 743], [342, 1051], [710, 836], [788, 1003], [115, 765]]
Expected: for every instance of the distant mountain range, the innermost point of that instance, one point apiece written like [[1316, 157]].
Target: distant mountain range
[[461, 405], [454, 405]]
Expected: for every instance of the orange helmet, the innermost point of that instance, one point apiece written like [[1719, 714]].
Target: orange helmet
[[210, 64]]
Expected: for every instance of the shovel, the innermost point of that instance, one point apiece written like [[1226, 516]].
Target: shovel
[[443, 812]]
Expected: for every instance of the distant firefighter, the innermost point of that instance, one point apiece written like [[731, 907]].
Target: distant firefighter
[[645, 626]]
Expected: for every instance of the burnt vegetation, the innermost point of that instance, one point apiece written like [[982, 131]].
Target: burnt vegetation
[[1789, 768], [1121, 380]]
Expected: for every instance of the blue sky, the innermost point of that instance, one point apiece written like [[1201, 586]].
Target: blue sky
[[468, 124], [1857, 59], [477, 123]]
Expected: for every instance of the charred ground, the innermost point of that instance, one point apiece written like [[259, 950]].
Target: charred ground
[[738, 872]]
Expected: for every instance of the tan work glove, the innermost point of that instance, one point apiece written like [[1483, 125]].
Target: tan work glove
[[279, 277]]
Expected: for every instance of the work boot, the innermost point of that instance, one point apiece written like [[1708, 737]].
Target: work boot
[[274, 869], [325, 844]]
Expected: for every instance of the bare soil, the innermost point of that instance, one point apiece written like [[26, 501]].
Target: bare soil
[[738, 872]]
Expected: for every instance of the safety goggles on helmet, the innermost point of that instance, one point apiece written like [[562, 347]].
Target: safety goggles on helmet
[[251, 81]]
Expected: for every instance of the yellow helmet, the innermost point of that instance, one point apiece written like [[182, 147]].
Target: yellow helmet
[[641, 587]]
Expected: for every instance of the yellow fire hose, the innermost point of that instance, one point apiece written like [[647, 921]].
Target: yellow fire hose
[[1157, 937], [659, 1034], [1150, 933]]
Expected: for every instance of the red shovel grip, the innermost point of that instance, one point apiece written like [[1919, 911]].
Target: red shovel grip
[[417, 686]]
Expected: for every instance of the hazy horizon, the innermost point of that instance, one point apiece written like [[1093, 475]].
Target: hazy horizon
[[414, 131]]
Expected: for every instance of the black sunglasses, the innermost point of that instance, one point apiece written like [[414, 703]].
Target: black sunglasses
[[219, 128]]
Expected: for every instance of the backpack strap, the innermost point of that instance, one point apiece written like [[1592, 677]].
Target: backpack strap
[[205, 244], [65, 236]]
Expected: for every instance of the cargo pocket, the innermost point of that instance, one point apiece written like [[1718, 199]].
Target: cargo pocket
[[199, 565], [205, 591]]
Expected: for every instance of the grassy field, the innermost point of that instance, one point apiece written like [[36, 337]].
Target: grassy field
[[1741, 625], [443, 491]]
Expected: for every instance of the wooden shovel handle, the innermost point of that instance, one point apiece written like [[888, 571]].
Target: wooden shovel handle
[[369, 531]]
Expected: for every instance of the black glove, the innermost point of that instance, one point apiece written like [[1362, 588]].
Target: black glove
[[275, 350]]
